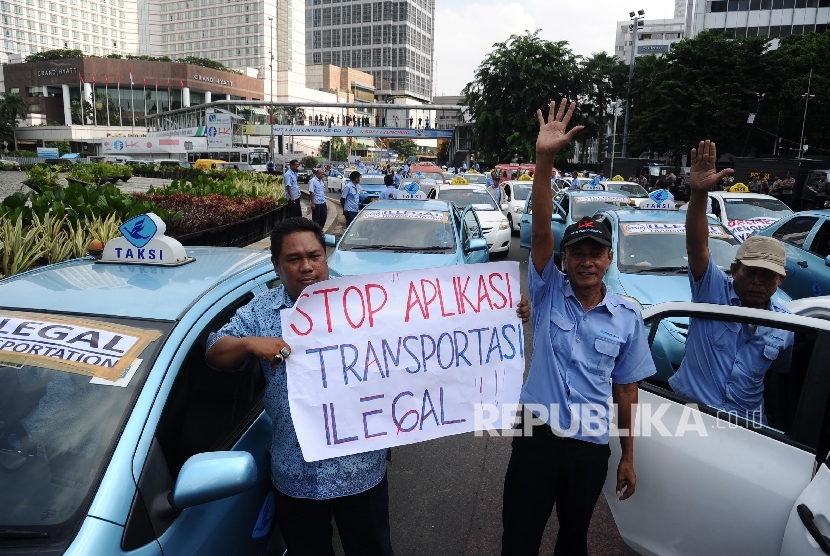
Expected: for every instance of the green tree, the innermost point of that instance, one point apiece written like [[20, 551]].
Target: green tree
[[58, 54], [339, 151], [518, 77], [704, 88], [404, 147], [12, 108], [75, 109], [309, 163], [603, 81], [62, 146]]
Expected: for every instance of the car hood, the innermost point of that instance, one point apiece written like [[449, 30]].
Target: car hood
[[492, 217], [350, 263], [650, 289]]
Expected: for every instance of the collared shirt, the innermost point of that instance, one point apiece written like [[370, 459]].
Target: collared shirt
[[317, 188], [291, 475], [398, 179], [352, 195], [725, 362], [495, 190], [575, 353], [290, 180], [490, 180], [389, 192]]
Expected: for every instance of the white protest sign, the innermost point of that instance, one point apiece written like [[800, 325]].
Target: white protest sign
[[744, 228], [391, 359]]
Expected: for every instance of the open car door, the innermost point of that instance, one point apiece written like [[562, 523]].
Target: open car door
[[711, 482]]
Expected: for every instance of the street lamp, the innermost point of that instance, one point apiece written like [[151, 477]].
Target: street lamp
[[271, 106], [616, 105], [637, 20], [806, 96]]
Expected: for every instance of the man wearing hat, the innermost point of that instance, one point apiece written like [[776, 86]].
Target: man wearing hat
[[585, 338], [725, 362]]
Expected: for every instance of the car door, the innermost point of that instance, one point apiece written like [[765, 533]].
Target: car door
[[526, 223], [711, 482], [201, 411], [807, 530], [472, 230], [561, 205], [816, 264], [793, 235]]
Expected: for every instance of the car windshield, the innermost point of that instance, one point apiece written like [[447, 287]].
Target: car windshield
[[371, 181], [661, 246], [588, 205], [476, 178], [521, 190], [437, 176], [747, 209], [400, 229], [67, 385], [258, 158], [629, 189], [479, 199]]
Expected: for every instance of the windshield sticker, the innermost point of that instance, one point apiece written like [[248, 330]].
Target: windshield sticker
[[407, 214], [482, 206], [744, 228], [599, 199], [124, 380], [74, 345], [666, 228]]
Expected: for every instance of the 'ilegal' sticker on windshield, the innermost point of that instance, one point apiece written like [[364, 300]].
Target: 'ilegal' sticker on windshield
[[73, 345], [667, 228]]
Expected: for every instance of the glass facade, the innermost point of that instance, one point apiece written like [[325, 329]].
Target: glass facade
[[391, 40]]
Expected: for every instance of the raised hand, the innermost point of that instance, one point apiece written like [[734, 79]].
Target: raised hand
[[553, 135], [703, 176]]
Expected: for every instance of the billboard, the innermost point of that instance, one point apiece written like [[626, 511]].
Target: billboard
[[652, 48], [148, 145], [348, 131]]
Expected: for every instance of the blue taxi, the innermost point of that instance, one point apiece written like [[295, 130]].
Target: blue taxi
[[651, 266], [806, 237], [569, 205], [371, 186], [405, 234], [115, 435]]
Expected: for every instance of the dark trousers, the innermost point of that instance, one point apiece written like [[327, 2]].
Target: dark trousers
[[350, 215], [319, 214], [362, 521], [294, 209], [545, 470]]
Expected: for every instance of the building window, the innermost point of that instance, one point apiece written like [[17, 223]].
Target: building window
[[717, 6]]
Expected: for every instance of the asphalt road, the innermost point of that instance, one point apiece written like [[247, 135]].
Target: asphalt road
[[446, 494]]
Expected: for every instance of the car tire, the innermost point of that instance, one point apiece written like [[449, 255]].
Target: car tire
[[513, 231]]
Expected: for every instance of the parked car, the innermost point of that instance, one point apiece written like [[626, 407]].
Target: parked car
[[334, 182], [494, 225], [168, 457], [303, 175], [806, 238], [239, 167], [172, 163], [9, 165], [396, 234], [745, 213]]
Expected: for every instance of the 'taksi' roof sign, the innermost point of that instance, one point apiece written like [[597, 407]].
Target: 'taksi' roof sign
[[143, 241]]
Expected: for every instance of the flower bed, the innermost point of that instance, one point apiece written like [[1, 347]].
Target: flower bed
[[208, 211]]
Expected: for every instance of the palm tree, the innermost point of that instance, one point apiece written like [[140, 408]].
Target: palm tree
[[13, 108]]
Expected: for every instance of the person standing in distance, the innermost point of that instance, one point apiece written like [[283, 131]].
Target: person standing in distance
[[317, 190], [350, 197], [292, 190], [391, 189], [584, 337]]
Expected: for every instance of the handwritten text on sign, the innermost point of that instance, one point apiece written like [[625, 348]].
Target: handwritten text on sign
[[390, 359]]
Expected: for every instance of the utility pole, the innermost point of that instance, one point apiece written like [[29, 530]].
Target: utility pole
[[635, 26], [806, 96]]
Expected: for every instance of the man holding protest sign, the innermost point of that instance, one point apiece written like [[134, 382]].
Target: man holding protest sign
[[584, 335], [351, 489]]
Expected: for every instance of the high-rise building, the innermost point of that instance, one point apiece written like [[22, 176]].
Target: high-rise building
[[654, 36], [97, 27], [749, 18], [391, 40]]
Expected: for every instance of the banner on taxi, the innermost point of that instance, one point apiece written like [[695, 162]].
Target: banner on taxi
[[75, 345], [390, 359]]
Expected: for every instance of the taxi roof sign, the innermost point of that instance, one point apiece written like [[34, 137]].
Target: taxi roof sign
[[593, 185], [525, 177], [739, 188], [658, 200], [411, 190], [143, 242]]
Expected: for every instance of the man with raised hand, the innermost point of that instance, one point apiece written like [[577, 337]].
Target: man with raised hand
[[725, 362], [585, 338]]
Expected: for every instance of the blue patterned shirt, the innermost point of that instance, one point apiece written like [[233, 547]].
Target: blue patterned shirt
[[290, 179], [291, 475]]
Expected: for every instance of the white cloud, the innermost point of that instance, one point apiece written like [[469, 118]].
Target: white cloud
[[465, 30]]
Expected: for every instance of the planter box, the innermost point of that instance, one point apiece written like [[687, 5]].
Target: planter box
[[238, 234]]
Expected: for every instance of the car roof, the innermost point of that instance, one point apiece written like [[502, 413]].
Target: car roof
[[649, 215], [128, 290], [410, 204], [731, 195]]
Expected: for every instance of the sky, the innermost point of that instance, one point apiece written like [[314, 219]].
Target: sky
[[465, 30]]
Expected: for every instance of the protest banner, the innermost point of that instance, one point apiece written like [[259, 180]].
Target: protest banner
[[390, 359]]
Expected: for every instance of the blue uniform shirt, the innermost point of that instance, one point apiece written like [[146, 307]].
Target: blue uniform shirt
[[318, 191], [725, 362], [389, 192], [489, 181], [352, 196], [398, 179], [575, 353], [290, 473], [290, 180]]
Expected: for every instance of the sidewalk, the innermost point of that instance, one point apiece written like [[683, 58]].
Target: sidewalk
[[334, 220]]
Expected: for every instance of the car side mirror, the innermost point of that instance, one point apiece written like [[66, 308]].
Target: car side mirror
[[827, 260], [556, 217], [504, 206], [331, 241], [212, 476], [478, 244]]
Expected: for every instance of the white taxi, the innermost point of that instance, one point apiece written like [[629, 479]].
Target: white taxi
[[745, 213], [494, 225]]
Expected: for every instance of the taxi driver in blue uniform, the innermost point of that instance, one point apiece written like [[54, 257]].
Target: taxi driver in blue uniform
[[589, 345], [725, 362]]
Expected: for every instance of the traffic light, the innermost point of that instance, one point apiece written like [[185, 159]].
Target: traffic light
[[279, 146]]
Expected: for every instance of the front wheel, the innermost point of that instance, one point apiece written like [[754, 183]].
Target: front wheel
[[513, 230]]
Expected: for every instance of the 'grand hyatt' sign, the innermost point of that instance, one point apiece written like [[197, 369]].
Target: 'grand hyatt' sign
[[56, 71], [215, 80]]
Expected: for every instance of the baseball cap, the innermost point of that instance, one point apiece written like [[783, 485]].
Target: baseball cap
[[763, 252], [586, 228]]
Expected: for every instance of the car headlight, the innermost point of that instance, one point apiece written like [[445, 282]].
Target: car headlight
[[504, 225], [519, 210], [632, 300]]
